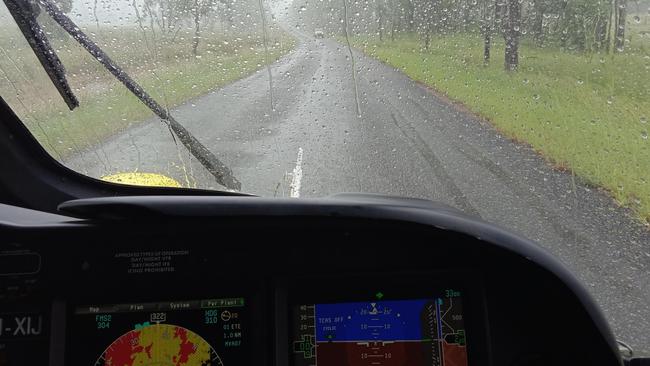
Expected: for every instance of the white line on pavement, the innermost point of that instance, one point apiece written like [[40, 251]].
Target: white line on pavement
[[297, 176]]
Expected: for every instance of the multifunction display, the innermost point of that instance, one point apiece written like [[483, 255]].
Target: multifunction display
[[182, 333]]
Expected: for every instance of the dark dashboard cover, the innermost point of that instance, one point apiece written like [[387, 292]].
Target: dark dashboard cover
[[178, 215]]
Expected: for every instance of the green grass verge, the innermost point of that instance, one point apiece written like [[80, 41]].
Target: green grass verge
[[168, 72], [111, 112], [586, 113]]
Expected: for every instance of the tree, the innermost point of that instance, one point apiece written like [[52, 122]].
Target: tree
[[540, 8], [166, 14], [409, 14], [620, 19], [396, 19], [511, 33], [226, 11], [487, 24], [583, 25], [380, 13], [199, 10], [170, 16], [425, 18]]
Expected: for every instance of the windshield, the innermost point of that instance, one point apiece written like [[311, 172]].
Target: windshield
[[531, 114]]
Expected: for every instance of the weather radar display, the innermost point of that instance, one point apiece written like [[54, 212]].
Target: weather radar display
[[175, 333], [160, 344], [414, 332]]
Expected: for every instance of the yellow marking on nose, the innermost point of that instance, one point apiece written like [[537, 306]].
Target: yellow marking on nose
[[142, 179]]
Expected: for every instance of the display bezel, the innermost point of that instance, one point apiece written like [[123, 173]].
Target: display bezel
[[346, 288], [250, 292]]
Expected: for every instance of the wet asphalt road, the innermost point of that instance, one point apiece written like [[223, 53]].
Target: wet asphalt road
[[406, 142]]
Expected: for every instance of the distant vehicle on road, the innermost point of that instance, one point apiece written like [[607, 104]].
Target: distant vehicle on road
[[318, 33]]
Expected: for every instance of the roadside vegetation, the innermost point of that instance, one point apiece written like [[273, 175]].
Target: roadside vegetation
[[569, 77], [577, 110], [172, 62]]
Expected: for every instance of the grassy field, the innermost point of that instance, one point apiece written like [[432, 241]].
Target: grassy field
[[584, 112], [166, 69]]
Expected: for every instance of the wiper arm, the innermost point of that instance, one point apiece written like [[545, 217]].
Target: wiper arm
[[219, 170], [24, 13]]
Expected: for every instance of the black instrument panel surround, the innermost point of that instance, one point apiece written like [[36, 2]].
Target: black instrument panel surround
[[268, 256]]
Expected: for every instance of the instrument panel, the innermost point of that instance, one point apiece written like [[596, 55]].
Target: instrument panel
[[380, 328], [113, 311], [269, 291]]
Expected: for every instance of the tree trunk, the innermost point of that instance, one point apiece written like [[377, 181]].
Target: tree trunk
[[538, 23], [410, 16], [487, 44], [197, 28], [380, 23], [512, 53], [486, 29], [511, 34], [600, 34], [427, 39], [466, 16], [621, 18], [610, 21]]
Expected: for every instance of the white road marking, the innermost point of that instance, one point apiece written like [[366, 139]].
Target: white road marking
[[297, 176]]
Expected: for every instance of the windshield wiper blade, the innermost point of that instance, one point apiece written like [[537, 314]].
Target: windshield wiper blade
[[218, 169], [25, 13]]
